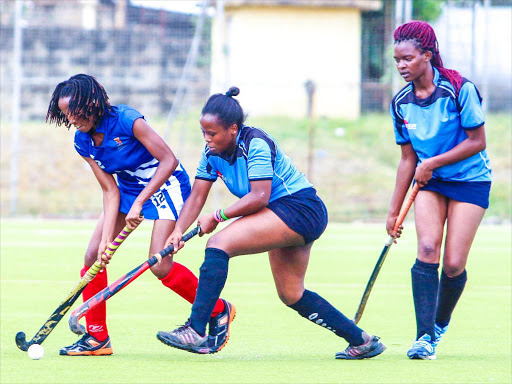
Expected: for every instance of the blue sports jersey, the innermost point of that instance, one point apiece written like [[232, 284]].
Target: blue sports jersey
[[438, 123], [122, 154], [257, 157]]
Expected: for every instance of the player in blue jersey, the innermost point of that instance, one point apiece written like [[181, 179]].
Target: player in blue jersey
[[278, 211], [149, 181], [439, 124]]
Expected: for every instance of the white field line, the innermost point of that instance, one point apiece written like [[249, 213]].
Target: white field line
[[251, 284]]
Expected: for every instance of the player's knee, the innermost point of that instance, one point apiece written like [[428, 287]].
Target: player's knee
[[428, 251], [217, 241], [289, 296], [452, 270], [162, 270]]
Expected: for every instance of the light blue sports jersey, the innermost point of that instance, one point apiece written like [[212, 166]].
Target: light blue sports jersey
[[257, 157], [438, 123], [123, 155]]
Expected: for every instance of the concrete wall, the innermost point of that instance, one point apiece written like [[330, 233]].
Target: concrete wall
[[270, 52], [139, 65]]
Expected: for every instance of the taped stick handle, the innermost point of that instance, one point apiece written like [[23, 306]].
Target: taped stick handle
[[111, 249]]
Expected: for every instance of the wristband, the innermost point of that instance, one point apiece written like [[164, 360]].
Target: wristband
[[222, 215], [217, 217]]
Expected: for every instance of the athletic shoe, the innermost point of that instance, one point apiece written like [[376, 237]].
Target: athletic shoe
[[186, 338], [88, 346], [423, 348], [218, 330], [371, 348], [439, 332]]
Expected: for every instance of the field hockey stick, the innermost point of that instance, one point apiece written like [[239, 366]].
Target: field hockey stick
[[61, 310], [119, 284], [383, 254]]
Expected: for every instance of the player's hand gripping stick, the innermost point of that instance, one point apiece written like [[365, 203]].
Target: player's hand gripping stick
[[119, 284]]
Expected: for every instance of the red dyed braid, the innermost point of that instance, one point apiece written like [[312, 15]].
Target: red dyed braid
[[423, 35]]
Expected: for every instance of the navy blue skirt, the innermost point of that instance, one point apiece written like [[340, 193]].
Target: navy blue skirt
[[473, 192], [303, 212]]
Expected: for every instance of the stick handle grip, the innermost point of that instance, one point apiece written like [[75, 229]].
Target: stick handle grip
[[405, 209], [111, 248]]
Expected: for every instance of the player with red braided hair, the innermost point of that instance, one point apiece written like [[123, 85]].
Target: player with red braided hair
[[425, 39], [439, 125]]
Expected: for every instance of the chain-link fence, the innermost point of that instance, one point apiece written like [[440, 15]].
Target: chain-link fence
[[165, 64]]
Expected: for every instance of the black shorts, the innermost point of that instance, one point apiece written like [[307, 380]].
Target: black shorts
[[473, 192], [303, 212]]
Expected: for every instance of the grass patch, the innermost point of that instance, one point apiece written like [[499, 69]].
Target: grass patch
[[354, 164]]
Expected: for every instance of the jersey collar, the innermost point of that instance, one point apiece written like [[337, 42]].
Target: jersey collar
[[436, 79]]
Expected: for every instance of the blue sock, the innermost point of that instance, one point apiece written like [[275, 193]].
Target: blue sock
[[318, 310], [425, 285], [450, 289], [212, 277]]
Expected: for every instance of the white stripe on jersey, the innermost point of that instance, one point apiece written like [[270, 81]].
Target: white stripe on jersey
[[144, 171], [174, 192]]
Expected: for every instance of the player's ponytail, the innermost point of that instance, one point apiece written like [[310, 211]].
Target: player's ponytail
[[424, 37], [226, 108]]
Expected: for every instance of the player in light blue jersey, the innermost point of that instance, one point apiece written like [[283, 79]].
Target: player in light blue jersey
[[139, 175], [439, 125], [278, 212]]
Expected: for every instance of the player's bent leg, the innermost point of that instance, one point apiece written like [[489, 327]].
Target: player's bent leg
[[289, 267], [88, 346]]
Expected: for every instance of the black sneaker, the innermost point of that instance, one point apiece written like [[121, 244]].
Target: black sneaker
[[88, 346], [372, 347], [218, 330], [186, 338]]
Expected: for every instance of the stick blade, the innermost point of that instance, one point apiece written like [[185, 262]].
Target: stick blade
[[75, 326], [21, 341]]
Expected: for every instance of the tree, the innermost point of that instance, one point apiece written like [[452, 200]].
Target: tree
[[427, 10]]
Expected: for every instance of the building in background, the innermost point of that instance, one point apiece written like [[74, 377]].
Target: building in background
[[137, 53], [270, 49], [476, 40]]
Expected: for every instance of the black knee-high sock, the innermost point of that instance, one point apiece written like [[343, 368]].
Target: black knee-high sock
[[450, 289], [212, 277], [425, 285], [318, 310]]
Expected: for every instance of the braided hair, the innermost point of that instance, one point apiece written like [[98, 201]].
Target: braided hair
[[227, 109], [424, 37], [87, 99]]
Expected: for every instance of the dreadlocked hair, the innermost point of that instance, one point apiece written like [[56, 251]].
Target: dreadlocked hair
[[424, 37], [87, 99]]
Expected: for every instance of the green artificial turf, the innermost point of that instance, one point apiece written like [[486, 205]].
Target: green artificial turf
[[270, 343]]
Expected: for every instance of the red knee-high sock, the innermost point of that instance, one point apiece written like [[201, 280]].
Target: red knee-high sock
[[96, 318], [182, 281]]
